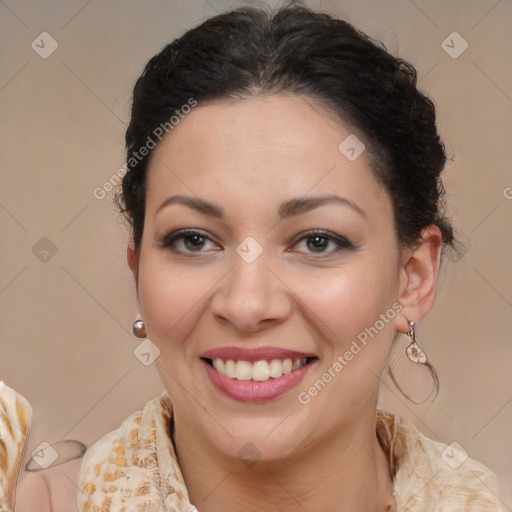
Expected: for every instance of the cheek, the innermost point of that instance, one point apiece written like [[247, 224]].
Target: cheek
[[171, 301], [347, 301]]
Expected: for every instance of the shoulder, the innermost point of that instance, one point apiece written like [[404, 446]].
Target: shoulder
[[434, 476], [124, 461], [109, 452], [122, 446]]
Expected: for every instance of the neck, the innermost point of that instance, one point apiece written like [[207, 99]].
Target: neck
[[346, 472]]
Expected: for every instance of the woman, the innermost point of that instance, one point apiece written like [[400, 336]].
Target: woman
[[284, 194]]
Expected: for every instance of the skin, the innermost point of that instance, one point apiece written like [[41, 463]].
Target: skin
[[49, 490], [249, 156]]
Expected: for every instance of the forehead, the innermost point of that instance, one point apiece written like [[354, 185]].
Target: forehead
[[261, 149]]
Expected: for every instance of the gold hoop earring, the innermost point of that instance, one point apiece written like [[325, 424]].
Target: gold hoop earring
[[139, 329], [413, 351]]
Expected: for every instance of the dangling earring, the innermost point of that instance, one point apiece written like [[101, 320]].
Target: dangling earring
[[139, 329], [416, 355], [413, 351]]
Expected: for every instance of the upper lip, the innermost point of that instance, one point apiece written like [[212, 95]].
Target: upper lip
[[254, 354]]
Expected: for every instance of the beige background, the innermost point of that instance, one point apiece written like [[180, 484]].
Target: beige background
[[65, 324]]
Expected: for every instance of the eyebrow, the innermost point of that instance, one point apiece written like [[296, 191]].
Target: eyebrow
[[291, 208]]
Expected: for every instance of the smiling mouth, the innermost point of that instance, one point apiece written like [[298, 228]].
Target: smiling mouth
[[259, 371]]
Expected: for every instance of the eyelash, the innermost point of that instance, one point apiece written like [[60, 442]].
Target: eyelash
[[342, 243]]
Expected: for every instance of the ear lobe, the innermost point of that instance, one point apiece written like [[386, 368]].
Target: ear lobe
[[418, 278]]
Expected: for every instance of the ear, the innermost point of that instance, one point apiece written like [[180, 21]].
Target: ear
[[131, 257], [419, 271]]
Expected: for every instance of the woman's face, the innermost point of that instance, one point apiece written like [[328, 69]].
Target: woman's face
[[252, 285]]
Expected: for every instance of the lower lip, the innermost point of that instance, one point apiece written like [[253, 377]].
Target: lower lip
[[256, 391]]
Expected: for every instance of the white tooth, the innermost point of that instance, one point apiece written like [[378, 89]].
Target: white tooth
[[260, 370], [287, 366], [276, 368], [230, 369], [218, 364], [243, 370]]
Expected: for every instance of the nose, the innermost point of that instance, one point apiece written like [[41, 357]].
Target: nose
[[251, 296]]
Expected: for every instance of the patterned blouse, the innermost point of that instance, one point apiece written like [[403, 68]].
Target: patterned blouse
[[134, 468]]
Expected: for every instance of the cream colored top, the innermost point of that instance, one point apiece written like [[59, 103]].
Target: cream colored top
[[134, 469]]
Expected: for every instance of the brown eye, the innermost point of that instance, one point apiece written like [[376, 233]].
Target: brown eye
[[193, 240], [318, 241]]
